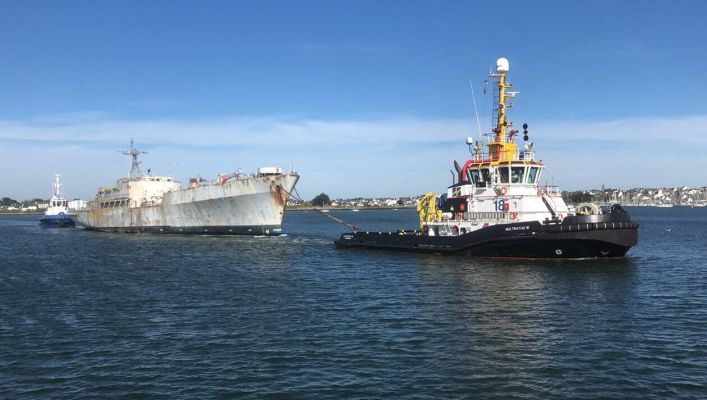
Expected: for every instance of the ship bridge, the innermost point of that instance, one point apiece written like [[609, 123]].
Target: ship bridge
[[500, 182]]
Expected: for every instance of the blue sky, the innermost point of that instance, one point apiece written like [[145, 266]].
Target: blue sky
[[362, 98]]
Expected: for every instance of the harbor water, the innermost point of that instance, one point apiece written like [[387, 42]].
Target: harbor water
[[97, 315]]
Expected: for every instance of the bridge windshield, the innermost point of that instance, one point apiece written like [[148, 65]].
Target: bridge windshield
[[517, 174], [532, 174], [486, 176], [503, 174], [475, 176]]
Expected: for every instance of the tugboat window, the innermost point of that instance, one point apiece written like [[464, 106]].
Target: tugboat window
[[503, 173], [475, 176], [517, 174], [533, 174], [486, 176]]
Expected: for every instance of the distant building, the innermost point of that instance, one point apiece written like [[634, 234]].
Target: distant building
[[77, 204]]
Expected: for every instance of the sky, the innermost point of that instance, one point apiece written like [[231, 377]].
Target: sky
[[362, 98]]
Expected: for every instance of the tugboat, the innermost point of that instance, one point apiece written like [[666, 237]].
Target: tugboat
[[57, 214], [497, 207]]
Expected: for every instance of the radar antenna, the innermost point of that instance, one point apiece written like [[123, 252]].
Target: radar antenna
[[476, 110], [135, 164]]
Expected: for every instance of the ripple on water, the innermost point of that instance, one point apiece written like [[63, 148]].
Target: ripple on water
[[191, 317]]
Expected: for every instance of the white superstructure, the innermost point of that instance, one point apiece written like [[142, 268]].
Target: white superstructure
[[498, 186], [57, 204]]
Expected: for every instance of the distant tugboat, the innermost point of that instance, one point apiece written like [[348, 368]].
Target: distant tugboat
[[57, 214], [497, 208]]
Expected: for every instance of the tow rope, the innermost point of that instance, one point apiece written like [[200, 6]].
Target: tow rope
[[297, 197]]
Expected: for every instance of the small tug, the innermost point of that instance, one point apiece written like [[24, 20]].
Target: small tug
[[57, 214], [497, 207]]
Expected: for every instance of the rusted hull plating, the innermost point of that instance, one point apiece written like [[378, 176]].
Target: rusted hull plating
[[253, 206]]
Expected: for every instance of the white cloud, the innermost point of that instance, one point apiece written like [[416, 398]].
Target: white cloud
[[239, 131], [397, 156], [684, 130]]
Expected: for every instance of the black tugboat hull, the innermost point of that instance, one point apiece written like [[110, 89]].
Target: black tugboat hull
[[576, 237]]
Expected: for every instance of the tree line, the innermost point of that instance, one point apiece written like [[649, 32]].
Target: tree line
[[10, 202]]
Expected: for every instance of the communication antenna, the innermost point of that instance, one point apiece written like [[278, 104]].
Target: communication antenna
[[57, 186], [135, 164], [476, 110], [491, 106]]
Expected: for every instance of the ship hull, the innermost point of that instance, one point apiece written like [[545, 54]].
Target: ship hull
[[257, 230], [56, 221], [253, 206], [608, 237]]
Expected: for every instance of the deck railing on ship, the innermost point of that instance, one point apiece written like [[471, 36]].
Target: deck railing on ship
[[523, 155]]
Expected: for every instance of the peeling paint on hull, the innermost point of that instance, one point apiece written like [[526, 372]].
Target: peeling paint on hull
[[271, 230], [252, 206]]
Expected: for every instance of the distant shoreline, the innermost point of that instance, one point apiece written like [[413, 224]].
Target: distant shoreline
[[310, 208], [303, 208]]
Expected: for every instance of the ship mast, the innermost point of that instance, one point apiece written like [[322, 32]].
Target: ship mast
[[501, 149], [135, 164], [57, 186]]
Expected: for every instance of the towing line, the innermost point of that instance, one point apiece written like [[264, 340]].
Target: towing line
[[297, 197]]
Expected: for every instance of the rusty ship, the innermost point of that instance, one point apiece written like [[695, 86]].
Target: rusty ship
[[232, 204], [497, 206]]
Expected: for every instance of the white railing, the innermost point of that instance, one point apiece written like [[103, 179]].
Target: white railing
[[524, 155], [549, 190]]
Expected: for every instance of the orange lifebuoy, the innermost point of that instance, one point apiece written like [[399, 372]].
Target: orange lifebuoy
[[513, 216]]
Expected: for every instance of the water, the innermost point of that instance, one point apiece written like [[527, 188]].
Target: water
[[95, 315]]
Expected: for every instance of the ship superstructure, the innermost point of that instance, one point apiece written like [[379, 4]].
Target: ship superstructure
[[497, 186], [232, 204], [497, 205]]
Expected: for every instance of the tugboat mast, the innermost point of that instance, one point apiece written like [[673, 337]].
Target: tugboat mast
[[502, 149], [135, 164], [57, 186]]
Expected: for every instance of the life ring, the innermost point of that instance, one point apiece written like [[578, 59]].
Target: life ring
[[513, 216], [504, 190], [455, 229], [459, 216]]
